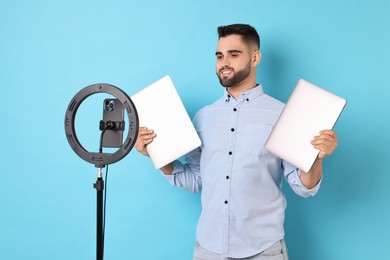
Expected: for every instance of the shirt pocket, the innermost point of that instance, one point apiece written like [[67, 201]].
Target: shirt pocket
[[213, 140], [255, 136]]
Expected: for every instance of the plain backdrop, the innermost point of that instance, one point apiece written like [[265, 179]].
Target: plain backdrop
[[49, 50]]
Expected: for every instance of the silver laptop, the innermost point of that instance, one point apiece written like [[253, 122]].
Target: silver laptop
[[160, 108], [309, 110]]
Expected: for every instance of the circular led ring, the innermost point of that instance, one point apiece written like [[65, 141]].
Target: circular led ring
[[101, 159]]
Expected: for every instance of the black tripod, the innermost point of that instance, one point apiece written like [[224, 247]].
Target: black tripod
[[99, 186]]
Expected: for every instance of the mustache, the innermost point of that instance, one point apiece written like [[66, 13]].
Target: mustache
[[224, 68]]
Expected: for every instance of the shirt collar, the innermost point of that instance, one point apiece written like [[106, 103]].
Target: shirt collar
[[248, 95]]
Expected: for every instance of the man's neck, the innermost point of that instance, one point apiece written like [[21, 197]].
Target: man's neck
[[236, 90]]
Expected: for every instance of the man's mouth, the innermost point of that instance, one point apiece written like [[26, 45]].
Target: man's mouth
[[226, 72]]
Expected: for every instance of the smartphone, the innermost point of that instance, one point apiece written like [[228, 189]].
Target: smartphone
[[113, 110]]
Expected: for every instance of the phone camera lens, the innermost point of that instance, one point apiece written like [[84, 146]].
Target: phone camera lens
[[109, 105]]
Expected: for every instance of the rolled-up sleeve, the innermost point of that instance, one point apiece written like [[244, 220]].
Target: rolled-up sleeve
[[292, 175], [187, 176]]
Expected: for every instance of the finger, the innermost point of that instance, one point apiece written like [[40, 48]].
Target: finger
[[148, 138], [329, 133], [145, 140], [322, 140], [145, 133], [327, 137]]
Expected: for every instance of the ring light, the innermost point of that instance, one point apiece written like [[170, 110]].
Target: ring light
[[101, 159]]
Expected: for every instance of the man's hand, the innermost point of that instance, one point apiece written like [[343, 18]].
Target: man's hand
[[326, 142], [145, 137]]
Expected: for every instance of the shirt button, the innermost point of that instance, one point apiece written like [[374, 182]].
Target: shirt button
[[234, 109], [226, 202], [247, 99], [232, 129], [230, 153], [227, 177]]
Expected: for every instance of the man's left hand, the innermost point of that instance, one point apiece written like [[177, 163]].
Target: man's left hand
[[325, 142]]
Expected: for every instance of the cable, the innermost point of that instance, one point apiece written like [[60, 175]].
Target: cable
[[101, 140], [104, 210], [108, 126]]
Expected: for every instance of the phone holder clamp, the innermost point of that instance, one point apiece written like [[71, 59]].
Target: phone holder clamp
[[112, 125]]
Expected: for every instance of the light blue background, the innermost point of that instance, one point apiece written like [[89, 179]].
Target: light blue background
[[49, 50]]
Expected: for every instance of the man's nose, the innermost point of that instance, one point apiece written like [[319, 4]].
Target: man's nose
[[225, 61]]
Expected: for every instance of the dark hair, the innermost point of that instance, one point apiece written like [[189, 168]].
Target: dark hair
[[248, 33]]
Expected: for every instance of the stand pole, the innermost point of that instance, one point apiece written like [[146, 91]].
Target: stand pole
[[99, 186]]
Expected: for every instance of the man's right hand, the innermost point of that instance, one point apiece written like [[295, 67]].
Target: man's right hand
[[145, 137]]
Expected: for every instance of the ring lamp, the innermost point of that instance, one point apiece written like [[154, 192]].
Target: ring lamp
[[101, 159]]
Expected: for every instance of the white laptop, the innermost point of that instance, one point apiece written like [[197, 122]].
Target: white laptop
[[160, 108], [309, 110]]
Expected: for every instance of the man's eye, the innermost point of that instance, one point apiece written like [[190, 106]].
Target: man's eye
[[219, 57]]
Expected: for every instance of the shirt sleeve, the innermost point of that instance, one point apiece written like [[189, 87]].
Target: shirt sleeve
[[292, 175], [187, 175]]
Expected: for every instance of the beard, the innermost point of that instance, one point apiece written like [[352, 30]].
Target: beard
[[237, 78]]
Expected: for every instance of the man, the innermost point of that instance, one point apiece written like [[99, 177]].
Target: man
[[242, 201]]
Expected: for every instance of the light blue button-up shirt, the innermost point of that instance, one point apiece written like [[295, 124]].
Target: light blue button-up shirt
[[242, 200]]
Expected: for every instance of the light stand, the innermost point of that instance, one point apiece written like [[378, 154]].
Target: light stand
[[99, 186], [100, 160]]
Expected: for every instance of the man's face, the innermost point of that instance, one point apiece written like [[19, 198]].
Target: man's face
[[233, 64]]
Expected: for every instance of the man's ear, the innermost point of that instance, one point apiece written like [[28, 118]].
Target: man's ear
[[256, 57]]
